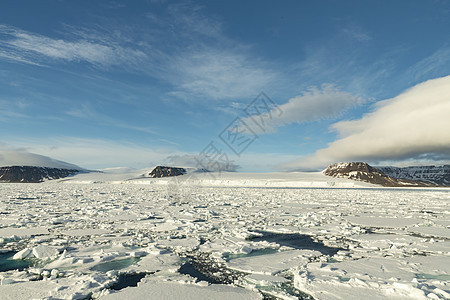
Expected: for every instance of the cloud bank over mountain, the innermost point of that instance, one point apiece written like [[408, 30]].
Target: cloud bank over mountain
[[201, 162], [411, 126], [20, 157]]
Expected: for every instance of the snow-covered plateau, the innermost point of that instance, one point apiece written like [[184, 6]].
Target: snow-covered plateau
[[121, 235]]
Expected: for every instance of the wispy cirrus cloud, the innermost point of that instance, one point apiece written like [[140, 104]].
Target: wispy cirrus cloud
[[434, 65], [86, 111], [10, 55], [204, 63], [218, 74], [356, 32], [195, 24], [32, 48], [183, 48], [12, 109]]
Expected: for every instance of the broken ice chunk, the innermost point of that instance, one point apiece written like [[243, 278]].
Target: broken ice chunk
[[45, 252], [22, 254]]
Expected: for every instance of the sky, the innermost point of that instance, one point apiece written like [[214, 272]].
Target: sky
[[252, 86]]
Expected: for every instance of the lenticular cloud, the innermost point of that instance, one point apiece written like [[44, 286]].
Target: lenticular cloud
[[412, 124], [22, 158]]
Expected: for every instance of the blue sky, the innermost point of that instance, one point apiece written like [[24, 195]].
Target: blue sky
[[137, 83]]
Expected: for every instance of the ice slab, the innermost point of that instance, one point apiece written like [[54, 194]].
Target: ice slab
[[8, 232], [272, 263], [172, 290], [45, 252], [76, 287], [84, 232], [434, 231], [382, 221], [22, 254], [262, 279]]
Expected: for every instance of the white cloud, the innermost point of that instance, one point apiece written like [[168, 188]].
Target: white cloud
[[412, 126], [10, 55], [95, 153], [12, 109], [356, 32], [256, 162], [314, 104], [28, 47], [186, 49], [432, 66], [182, 46], [202, 62], [263, 162], [86, 111], [218, 74], [21, 157], [191, 21], [200, 162]]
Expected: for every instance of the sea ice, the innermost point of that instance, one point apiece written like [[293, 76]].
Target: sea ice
[[24, 253], [84, 238], [173, 290], [45, 252], [271, 264]]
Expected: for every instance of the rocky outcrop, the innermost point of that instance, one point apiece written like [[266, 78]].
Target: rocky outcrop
[[161, 171], [26, 174], [361, 171], [433, 174]]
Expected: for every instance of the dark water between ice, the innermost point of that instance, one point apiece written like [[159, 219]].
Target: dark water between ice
[[188, 269], [7, 263], [296, 241], [127, 280]]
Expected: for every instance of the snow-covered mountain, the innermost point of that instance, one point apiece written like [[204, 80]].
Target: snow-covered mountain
[[362, 171], [434, 174], [22, 166]]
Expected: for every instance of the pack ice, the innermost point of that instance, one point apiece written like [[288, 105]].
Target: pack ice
[[119, 235]]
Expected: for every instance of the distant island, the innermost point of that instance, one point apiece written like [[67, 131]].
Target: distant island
[[418, 176]]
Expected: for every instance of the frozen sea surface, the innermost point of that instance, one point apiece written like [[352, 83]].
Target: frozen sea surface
[[129, 241]]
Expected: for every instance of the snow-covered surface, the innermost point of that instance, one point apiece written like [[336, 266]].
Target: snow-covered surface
[[84, 234], [10, 158], [158, 290], [222, 179]]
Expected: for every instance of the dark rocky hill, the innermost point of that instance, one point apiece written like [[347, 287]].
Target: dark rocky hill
[[361, 171], [26, 174], [161, 171]]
